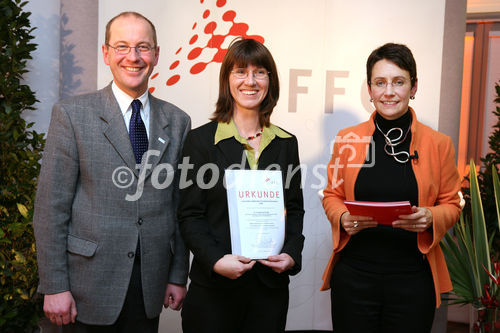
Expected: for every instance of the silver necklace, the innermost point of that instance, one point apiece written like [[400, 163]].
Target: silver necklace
[[390, 144]]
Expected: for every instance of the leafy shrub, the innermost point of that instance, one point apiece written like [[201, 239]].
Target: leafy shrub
[[20, 153]]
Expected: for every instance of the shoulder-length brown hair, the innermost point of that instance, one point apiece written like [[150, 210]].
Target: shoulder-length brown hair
[[243, 53]]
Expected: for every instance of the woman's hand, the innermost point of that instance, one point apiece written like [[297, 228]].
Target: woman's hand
[[233, 266], [420, 220], [353, 224], [279, 263]]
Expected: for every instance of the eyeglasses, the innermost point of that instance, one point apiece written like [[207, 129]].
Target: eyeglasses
[[381, 84], [124, 49], [242, 73]]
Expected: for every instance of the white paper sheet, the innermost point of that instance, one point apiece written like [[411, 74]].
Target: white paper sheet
[[256, 212]]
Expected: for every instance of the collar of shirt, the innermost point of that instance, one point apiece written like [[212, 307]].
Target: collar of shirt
[[124, 101], [228, 130]]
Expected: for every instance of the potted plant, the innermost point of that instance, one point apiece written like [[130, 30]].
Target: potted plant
[[474, 273], [485, 180]]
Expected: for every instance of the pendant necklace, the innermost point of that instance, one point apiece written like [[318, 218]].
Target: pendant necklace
[[390, 144]]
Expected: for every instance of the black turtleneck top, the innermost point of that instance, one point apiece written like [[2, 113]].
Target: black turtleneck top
[[384, 249]]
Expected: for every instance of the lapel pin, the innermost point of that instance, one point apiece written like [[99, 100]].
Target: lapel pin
[[161, 140]]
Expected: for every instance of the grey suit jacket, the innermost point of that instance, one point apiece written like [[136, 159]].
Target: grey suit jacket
[[86, 230]]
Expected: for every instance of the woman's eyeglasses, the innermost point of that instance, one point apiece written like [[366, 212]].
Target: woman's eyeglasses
[[242, 73], [381, 84]]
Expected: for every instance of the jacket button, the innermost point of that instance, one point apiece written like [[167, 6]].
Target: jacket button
[[139, 221], [131, 254]]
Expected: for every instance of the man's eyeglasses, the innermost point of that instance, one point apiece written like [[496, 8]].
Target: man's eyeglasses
[[381, 84], [242, 73], [125, 49]]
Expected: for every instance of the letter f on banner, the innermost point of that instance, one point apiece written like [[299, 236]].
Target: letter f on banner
[[294, 89]]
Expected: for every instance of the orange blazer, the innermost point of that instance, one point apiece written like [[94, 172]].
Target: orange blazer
[[438, 184]]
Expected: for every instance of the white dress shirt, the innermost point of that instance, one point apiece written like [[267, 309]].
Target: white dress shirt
[[125, 103]]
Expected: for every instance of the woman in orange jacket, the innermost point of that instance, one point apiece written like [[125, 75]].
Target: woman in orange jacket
[[388, 278]]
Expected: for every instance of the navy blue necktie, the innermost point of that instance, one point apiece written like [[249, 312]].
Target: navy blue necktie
[[137, 132], [139, 141]]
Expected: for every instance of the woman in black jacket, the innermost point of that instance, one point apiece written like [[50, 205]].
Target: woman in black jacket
[[228, 292]]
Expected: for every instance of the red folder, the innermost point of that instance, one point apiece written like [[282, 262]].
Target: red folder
[[382, 212]]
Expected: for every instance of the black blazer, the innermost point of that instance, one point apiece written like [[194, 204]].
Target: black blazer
[[203, 213]]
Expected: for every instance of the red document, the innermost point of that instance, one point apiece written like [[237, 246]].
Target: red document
[[382, 212]]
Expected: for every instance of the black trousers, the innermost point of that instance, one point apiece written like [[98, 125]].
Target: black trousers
[[132, 318], [381, 303], [250, 308]]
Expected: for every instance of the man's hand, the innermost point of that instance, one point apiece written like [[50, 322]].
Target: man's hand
[[174, 296], [233, 266], [279, 263], [60, 308]]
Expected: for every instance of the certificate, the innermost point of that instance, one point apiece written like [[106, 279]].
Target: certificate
[[256, 212]]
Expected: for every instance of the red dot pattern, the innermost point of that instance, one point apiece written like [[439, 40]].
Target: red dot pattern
[[221, 3], [195, 53], [209, 28], [174, 64], [152, 89], [193, 39], [173, 80], [215, 41]]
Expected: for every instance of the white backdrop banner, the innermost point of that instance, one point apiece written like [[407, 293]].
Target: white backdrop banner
[[320, 48]]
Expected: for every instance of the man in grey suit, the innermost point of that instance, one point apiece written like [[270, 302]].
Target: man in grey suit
[[109, 249]]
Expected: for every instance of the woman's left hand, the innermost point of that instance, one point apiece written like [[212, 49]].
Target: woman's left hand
[[279, 263], [420, 220]]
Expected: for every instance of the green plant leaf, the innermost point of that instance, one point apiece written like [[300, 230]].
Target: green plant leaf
[[19, 257], [467, 253], [496, 186], [479, 228], [458, 257], [23, 210], [4, 210]]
